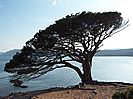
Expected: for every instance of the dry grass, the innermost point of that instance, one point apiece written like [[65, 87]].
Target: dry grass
[[86, 92], [90, 91]]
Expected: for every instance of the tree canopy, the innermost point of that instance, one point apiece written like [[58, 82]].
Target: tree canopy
[[74, 38]]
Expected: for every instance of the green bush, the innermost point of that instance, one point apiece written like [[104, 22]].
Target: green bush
[[124, 95], [129, 93], [119, 95]]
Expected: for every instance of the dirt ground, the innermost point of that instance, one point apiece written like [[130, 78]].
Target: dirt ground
[[89, 91], [86, 92]]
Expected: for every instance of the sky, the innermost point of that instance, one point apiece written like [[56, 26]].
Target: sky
[[21, 19]]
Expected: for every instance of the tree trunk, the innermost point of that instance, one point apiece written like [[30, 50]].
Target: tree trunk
[[87, 78]]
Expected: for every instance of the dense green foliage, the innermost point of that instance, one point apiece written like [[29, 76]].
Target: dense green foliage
[[119, 95], [128, 94]]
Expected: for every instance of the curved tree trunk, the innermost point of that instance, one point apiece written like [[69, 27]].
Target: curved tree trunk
[[86, 75], [87, 78]]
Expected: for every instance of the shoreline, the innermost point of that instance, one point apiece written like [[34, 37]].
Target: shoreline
[[99, 88]]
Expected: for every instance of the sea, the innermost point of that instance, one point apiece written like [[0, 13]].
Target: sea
[[107, 68]]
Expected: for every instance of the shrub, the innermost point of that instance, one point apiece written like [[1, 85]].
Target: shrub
[[129, 93], [118, 95]]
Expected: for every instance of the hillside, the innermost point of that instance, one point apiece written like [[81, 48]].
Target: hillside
[[1, 53], [10, 52], [119, 52], [8, 55]]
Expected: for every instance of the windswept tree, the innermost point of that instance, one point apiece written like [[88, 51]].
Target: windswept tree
[[72, 39]]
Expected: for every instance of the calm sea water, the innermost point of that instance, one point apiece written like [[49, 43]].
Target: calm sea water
[[104, 69]]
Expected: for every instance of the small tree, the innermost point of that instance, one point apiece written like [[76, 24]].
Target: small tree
[[75, 38]]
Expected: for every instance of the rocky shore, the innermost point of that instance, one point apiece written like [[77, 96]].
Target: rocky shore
[[96, 90]]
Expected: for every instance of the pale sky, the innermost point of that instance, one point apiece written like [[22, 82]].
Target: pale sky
[[21, 19]]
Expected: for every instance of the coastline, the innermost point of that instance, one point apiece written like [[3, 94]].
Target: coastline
[[96, 90]]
